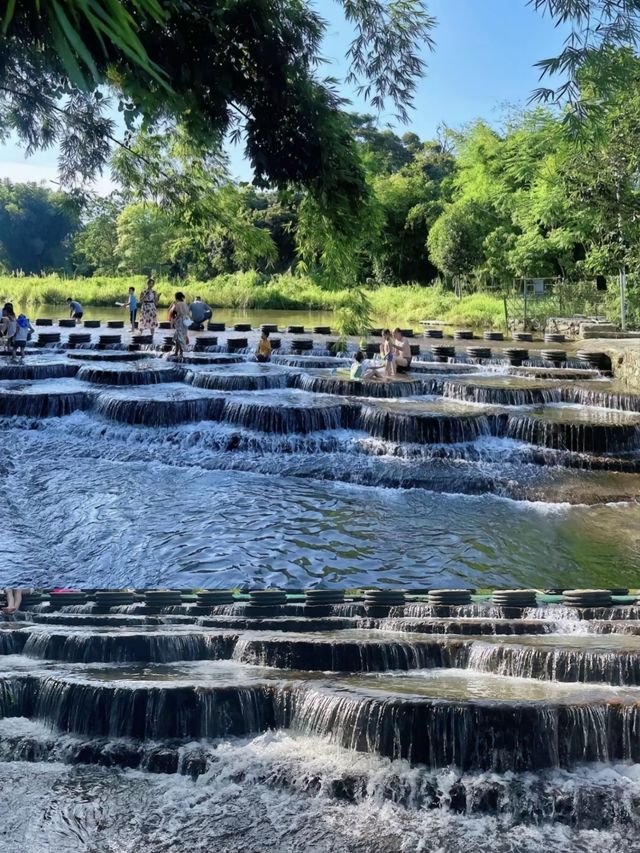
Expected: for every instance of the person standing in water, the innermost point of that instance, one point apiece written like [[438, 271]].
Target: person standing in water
[[9, 326], [402, 350], [76, 311], [23, 328], [179, 313], [388, 354], [132, 305], [263, 352], [149, 310]]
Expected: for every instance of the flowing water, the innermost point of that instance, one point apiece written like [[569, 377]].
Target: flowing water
[[475, 728], [219, 475]]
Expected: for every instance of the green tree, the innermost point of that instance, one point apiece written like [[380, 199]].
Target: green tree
[[214, 230], [95, 247], [247, 68], [512, 180], [382, 151], [456, 239], [411, 200], [144, 232], [597, 29], [601, 178], [36, 227]]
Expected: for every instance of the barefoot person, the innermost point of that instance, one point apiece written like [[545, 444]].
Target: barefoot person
[[149, 308], [388, 353], [14, 599], [402, 350], [179, 313], [263, 351]]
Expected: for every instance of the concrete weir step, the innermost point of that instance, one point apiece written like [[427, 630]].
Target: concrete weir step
[[437, 717]]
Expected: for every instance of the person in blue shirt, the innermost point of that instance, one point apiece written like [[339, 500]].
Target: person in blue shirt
[[23, 330], [75, 309], [200, 312], [132, 305]]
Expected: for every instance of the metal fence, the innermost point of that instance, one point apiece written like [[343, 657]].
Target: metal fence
[[533, 302]]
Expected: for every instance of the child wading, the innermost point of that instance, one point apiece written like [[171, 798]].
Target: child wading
[[263, 352], [132, 305], [23, 329], [388, 354]]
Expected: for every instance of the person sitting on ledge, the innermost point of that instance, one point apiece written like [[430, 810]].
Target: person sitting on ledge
[[402, 350], [358, 372], [200, 312], [75, 309], [263, 352], [14, 599]]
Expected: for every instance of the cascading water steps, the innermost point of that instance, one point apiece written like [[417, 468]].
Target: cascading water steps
[[435, 709], [518, 719]]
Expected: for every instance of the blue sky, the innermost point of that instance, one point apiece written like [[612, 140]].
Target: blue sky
[[483, 60]]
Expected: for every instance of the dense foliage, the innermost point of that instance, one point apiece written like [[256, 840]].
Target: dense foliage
[[551, 193], [37, 227], [207, 69]]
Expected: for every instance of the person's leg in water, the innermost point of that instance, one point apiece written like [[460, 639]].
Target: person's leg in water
[[11, 607], [178, 349], [373, 373], [390, 366]]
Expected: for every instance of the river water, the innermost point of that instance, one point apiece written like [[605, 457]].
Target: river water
[[118, 736], [256, 317], [119, 505], [281, 486], [52, 807]]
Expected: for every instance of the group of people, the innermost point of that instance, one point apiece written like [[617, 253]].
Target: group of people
[[395, 352], [146, 306], [143, 314], [14, 331]]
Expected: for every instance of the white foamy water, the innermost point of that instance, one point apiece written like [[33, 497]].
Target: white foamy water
[[291, 794]]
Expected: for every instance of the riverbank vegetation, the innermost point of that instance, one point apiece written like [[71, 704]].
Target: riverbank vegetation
[[251, 290], [363, 220]]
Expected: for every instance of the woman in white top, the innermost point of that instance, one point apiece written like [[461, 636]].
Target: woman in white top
[[180, 315], [148, 309]]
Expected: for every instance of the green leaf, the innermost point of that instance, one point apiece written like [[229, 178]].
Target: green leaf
[[66, 55], [8, 15], [73, 39]]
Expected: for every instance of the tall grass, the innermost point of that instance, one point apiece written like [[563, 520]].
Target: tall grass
[[238, 290], [407, 304]]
